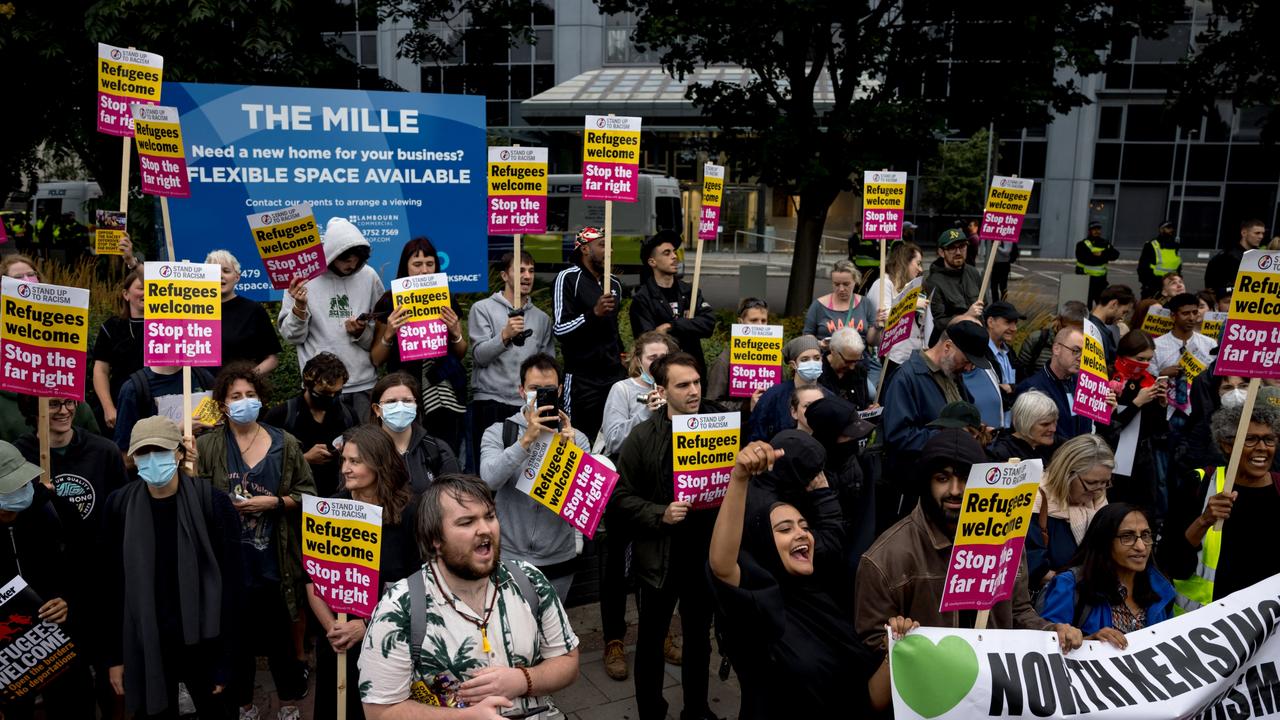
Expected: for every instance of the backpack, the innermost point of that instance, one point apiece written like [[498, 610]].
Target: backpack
[[146, 401]]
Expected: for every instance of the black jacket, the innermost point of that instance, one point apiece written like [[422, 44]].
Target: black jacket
[[45, 545], [428, 458], [84, 474], [950, 292], [650, 308], [1222, 269], [591, 345], [1085, 256]]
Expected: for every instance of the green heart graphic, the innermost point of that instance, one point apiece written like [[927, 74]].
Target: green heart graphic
[[932, 679]]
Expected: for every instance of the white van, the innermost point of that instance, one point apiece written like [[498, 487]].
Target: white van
[[55, 198]]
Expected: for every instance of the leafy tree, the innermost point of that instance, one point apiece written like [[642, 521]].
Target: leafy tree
[[843, 85], [955, 179]]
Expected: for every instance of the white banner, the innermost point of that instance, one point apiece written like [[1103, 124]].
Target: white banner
[[1216, 662]]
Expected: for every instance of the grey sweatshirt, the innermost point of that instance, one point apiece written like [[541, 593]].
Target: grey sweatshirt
[[495, 373], [331, 300], [530, 531], [622, 413]]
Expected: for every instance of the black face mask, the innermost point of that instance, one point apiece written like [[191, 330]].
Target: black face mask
[[321, 402]]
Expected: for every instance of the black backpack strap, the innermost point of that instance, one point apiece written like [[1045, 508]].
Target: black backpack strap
[[417, 618], [291, 412], [143, 399], [526, 588], [511, 433]]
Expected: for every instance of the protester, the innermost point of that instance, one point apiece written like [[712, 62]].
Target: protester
[[751, 311], [801, 399], [1143, 400], [992, 388], [171, 581], [48, 550], [1220, 274], [1007, 253], [850, 472], [669, 545], [771, 414], [84, 468], [502, 338], [504, 637], [263, 470], [633, 400], [343, 299], [1159, 257], [395, 409], [904, 570], [905, 263], [1033, 435], [317, 418], [972, 237], [19, 267], [1206, 303], [158, 391], [117, 351], [929, 380], [1037, 348], [1114, 305], [1184, 337], [1058, 381], [373, 473], [841, 307], [784, 628], [844, 374], [1112, 587], [1093, 254], [532, 533], [1207, 564], [247, 332], [951, 287], [662, 301], [1072, 491], [1171, 285], [586, 323]]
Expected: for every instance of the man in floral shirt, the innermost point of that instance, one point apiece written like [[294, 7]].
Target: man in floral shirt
[[485, 647]]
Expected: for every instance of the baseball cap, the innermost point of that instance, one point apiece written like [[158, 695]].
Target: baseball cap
[[1095, 225], [15, 471], [586, 235], [797, 345], [1002, 309], [658, 238], [951, 237], [972, 339], [957, 415], [953, 447], [1167, 224], [832, 418], [155, 431]]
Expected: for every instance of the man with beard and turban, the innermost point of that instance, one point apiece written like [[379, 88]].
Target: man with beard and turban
[[489, 633], [904, 571], [791, 641]]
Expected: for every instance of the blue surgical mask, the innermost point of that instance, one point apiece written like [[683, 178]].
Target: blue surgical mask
[[398, 415], [809, 369], [157, 468], [645, 377], [19, 499], [244, 410]]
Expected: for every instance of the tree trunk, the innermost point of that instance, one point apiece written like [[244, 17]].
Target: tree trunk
[[810, 220]]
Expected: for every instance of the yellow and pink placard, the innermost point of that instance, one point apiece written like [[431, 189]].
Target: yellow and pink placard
[[611, 158], [1006, 207], [125, 77]]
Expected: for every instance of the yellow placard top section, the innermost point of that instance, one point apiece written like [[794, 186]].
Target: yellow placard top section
[[107, 242], [555, 475], [705, 450], [1256, 296], [182, 300], [905, 304], [64, 327], [1190, 364], [1008, 200], [1093, 357], [287, 237], [755, 350], [994, 516], [517, 178], [611, 146], [128, 80], [712, 191], [425, 295], [1154, 324], [341, 541], [884, 196], [158, 138]]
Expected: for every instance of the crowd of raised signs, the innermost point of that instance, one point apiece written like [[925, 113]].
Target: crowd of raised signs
[[175, 564]]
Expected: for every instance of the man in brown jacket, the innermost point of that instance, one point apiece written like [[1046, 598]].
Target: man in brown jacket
[[904, 571]]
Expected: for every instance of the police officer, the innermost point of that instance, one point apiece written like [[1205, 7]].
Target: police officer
[[1159, 258], [1093, 254]]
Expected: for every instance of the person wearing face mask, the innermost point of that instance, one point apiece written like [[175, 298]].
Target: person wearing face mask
[[772, 414], [172, 581], [332, 312], [247, 332], [1113, 586], [770, 570], [531, 532], [751, 311], [904, 571], [1206, 564], [1074, 488], [317, 418], [263, 469], [45, 545], [1143, 401], [395, 408], [442, 380]]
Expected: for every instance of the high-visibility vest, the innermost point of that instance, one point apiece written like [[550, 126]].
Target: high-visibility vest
[[1167, 260], [868, 254], [1092, 270], [1197, 590]]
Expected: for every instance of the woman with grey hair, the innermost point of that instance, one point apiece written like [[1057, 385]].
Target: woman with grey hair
[[1073, 490], [1035, 421], [247, 333], [1206, 564]]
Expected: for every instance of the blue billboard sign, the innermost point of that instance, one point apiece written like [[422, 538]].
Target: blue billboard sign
[[397, 165]]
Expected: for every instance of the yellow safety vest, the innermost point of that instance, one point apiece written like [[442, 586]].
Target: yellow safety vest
[[1167, 260], [1197, 590], [1092, 270]]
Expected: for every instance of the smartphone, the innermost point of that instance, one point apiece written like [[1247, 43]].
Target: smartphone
[[549, 396], [371, 316], [519, 714]]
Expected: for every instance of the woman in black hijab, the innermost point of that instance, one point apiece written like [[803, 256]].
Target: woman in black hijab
[[793, 646]]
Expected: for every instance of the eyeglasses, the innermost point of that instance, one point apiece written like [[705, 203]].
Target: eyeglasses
[[955, 248], [1093, 486], [1127, 539], [847, 361], [1251, 441], [1075, 351], [26, 276], [56, 405]]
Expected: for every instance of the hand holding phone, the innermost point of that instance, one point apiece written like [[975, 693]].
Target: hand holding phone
[[548, 397], [520, 714]]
